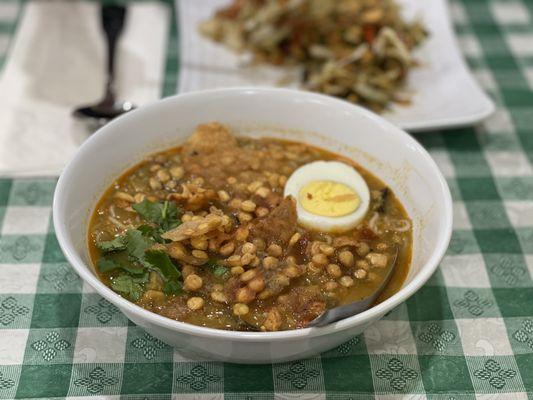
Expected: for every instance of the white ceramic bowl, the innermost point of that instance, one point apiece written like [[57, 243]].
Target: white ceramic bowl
[[385, 150]]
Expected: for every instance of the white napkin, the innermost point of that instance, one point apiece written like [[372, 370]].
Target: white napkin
[[57, 62]]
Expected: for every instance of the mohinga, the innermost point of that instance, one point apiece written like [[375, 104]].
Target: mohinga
[[248, 234]]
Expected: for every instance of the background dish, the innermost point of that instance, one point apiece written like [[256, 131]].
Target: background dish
[[336, 125], [436, 102]]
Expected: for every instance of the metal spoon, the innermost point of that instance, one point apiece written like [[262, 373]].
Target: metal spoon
[[348, 310], [109, 107]]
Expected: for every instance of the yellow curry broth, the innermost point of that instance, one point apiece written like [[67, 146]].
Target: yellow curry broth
[[299, 288]]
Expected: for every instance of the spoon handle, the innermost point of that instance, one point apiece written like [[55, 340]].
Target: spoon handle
[[113, 17]]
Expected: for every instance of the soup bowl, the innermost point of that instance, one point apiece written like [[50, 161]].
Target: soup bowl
[[383, 149]]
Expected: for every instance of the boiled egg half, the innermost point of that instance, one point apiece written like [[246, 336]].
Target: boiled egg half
[[330, 196]]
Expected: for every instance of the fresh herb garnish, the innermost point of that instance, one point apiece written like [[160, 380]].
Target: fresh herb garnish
[[133, 255], [108, 264], [160, 260], [217, 269], [173, 287], [137, 244], [117, 244], [164, 214], [129, 286], [151, 232]]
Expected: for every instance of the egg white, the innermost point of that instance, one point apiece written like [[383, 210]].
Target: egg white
[[328, 171]]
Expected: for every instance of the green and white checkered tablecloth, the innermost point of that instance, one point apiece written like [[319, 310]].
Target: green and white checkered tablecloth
[[467, 334]]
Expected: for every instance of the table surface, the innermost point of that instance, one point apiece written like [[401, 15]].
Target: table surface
[[468, 333]]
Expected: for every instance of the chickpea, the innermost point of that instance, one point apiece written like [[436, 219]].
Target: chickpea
[[282, 180], [259, 244], [177, 172], [245, 295], [331, 285], [327, 249], [227, 249], [261, 212], [320, 259], [192, 282], [231, 180], [346, 258], [248, 275], [217, 287], [139, 197], [360, 274], [154, 184], [314, 268], [377, 260], [125, 196], [223, 196], [270, 262], [242, 233], [346, 281], [199, 243], [244, 217], [274, 250], [247, 258], [200, 254], [294, 239], [234, 260], [262, 192], [219, 297], [235, 203], [236, 270], [240, 309], [248, 206], [334, 270], [195, 303], [362, 264], [248, 247], [362, 249], [252, 187], [257, 284], [273, 320], [163, 175], [292, 271], [187, 270]]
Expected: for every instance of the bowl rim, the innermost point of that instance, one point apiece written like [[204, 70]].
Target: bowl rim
[[84, 271]]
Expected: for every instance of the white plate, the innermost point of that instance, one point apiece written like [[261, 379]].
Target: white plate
[[445, 92]]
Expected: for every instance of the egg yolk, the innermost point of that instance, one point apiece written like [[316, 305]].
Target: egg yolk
[[328, 199]]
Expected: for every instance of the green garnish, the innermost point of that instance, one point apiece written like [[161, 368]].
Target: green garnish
[[107, 264], [217, 269], [173, 287], [165, 214], [137, 244], [129, 286], [160, 260], [131, 252], [117, 244]]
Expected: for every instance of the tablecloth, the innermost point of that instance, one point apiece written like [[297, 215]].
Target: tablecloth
[[467, 334]]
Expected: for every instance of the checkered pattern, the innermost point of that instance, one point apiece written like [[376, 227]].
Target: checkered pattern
[[467, 334]]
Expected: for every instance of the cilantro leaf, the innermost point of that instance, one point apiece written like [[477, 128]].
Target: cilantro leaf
[[165, 214], [129, 286], [151, 232], [107, 246], [137, 244], [217, 269], [160, 260], [173, 287], [108, 264]]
